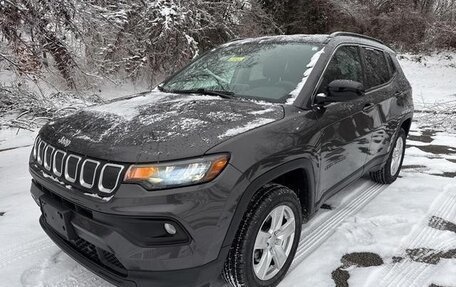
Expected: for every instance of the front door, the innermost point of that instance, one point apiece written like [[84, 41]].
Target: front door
[[345, 126]]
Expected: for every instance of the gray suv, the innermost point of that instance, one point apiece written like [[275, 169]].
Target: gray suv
[[214, 172]]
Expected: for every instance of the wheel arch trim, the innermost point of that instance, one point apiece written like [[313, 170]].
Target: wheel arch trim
[[267, 177], [403, 119]]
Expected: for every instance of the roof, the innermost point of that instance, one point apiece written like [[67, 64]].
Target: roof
[[310, 38], [359, 39], [356, 35], [315, 38]]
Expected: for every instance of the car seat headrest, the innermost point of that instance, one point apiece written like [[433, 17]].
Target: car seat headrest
[[273, 68]]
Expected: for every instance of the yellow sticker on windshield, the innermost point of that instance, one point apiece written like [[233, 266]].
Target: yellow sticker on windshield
[[236, 59]]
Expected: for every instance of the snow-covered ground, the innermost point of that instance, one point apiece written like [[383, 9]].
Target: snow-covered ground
[[433, 78], [368, 235], [405, 236]]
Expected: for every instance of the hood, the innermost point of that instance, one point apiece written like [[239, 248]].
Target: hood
[[157, 126]]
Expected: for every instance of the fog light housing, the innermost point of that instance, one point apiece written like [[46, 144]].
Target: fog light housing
[[171, 229]]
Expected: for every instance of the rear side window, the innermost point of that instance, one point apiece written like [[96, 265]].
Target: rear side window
[[377, 72], [344, 65]]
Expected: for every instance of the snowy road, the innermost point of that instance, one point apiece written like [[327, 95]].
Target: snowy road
[[368, 234]]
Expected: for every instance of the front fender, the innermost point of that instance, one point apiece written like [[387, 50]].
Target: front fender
[[307, 165]]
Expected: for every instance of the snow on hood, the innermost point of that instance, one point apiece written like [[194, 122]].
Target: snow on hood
[[158, 126]]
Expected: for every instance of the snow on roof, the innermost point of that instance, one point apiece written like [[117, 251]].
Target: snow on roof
[[318, 38]]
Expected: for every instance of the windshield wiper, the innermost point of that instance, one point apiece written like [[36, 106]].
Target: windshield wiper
[[160, 88], [222, 94]]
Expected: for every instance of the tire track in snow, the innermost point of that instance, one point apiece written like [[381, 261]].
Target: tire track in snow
[[79, 277], [313, 238], [35, 276], [59, 270], [16, 147], [411, 271], [407, 272], [23, 250]]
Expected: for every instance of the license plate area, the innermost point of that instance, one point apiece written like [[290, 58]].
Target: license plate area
[[58, 217]]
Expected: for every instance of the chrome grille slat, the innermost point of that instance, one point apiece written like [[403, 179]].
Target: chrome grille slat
[[40, 151], [47, 165], [81, 177], [67, 176], [35, 146], [62, 164], [54, 163], [100, 181]]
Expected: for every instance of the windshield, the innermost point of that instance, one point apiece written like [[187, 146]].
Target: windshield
[[264, 71]]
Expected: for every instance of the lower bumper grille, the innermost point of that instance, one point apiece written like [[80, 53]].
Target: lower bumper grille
[[99, 256], [111, 259], [87, 248]]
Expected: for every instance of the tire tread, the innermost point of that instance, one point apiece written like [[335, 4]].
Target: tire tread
[[233, 272], [383, 176]]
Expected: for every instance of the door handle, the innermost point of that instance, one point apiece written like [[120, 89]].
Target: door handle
[[369, 106]]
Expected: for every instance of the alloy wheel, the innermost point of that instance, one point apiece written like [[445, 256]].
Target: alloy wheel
[[274, 242], [396, 157]]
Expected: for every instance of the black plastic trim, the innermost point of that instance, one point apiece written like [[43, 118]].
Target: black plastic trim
[[201, 276], [265, 178]]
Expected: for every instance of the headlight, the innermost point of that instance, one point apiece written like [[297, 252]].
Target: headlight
[[173, 174]]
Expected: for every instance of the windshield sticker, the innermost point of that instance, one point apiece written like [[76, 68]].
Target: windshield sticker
[[236, 59]]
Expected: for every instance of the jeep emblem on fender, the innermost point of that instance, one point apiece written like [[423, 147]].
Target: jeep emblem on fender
[[64, 141]]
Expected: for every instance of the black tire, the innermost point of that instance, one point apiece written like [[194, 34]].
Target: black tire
[[238, 269], [384, 175]]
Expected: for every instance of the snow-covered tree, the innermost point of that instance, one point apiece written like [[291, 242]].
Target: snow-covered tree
[[126, 39]]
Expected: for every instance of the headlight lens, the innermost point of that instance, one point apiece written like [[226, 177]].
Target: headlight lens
[[173, 174]]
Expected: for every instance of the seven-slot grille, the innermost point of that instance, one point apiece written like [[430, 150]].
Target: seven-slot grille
[[81, 172]]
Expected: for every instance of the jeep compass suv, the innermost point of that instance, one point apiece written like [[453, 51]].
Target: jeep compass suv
[[214, 172]]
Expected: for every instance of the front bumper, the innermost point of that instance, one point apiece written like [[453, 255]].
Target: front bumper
[[199, 276], [123, 240]]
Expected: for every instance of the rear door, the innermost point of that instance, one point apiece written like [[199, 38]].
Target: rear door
[[380, 91], [345, 128]]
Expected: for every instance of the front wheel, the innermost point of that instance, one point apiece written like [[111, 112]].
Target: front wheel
[[391, 169], [267, 239]]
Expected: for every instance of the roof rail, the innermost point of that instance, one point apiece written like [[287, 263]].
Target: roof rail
[[350, 34]]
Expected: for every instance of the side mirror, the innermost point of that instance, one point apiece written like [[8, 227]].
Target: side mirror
[[341, 91]]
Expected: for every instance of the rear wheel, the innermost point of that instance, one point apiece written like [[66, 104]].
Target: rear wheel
[[267, 239], [392, 168]]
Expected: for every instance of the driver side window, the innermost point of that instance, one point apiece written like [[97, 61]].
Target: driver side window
[[344, 65]]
